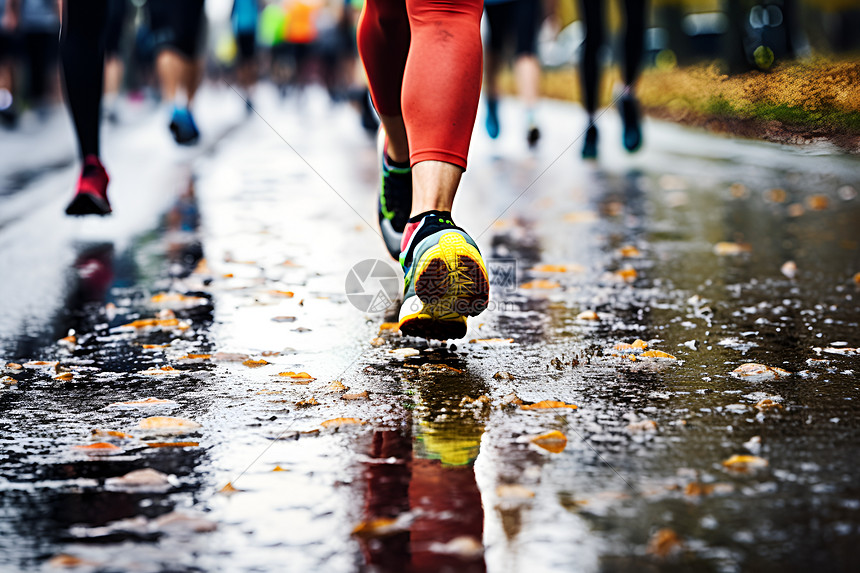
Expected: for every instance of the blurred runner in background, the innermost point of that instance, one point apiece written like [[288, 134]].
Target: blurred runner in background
[[423, 62], [114, 26], [177, 29], [39, 23], [513, 26], [634, 47], [243, 17], [8, 55]]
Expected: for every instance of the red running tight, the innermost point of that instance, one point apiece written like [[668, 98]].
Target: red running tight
[[423, 61]]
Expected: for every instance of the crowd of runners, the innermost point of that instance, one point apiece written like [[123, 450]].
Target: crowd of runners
[[424, 63]]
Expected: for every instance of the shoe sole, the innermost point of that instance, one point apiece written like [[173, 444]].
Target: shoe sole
[[452, 273], [174, 130], [86, 204], [431, 322]]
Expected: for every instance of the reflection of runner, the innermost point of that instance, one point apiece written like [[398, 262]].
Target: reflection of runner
[[177, 32], [423, 64], [513, 24], [82, 54], [634, 34]]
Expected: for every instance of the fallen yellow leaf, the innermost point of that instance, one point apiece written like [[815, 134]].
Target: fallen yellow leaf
[[389, 326], [743, 463], [553, 442], [540, 284], [336, 386], [338, 422], [64, 377], [725, 248], [627, 274], [96, 433], [283, 293], [306, 403], [629, 251], [99, 448], [548, 404], [278, 469], [196, 357], [663, 543], [144, 402], [587, 315], [657, 354], [251, 363], [363, 395], [172, 444], [229, 489], [168, 424]]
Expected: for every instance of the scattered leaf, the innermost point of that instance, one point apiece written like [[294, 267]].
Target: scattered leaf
[[168, 425], [160, 371], [698, 489], [172, 444], [540, 284], [502, 375], [789, 269], [146, 478], [16, 366], [251, 363], [66, 561], [40, 364], [511, 400], [96, 433], [514, 491], [553, 442], [627, 274], [229, 489], [744, 463], [492, 341], [363, 395], [725, 249], [301, 377], [587, 315], [282, 293], [195, 357], [307, 403], [818, 202], [377, 341], [404, 352], [636, 345], [776, 195], [657, 354], [336, 386], [754, 371], [64, 377], [547, 405], [766, 404], [99, 448], [642, 426], [340, 422], [8, 381], [381, 527], [629, 251], [230, 357], [145, 402], [389, 327], [547, 268], [664, 543], [279, 469]]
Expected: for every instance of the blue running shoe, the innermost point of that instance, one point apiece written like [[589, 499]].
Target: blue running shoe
[[493, 127], [183, 128], [446, 280]]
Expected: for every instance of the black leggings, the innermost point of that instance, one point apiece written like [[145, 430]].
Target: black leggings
[[634, 45], [82, 51]]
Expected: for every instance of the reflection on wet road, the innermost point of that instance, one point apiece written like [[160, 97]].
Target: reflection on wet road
[[599, 416]]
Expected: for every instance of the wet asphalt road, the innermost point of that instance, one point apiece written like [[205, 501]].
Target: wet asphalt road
[[224, 267]]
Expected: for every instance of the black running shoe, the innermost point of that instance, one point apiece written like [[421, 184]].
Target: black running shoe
[[629, 108], [395, 200]]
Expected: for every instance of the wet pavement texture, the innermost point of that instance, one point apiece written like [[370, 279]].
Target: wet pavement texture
[[599, 416]]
